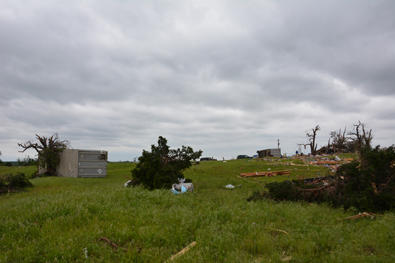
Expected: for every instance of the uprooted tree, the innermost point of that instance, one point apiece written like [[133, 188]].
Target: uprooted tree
[[367, 184], [48, 149], [162, 167]]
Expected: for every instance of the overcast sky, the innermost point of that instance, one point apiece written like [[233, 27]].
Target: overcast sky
[[225, 77]]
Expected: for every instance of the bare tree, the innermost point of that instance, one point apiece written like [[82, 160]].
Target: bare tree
[[48, 149], [363, 138], [339, 139], [311, 137]]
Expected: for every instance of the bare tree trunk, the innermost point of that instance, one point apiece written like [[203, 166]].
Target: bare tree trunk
[[311, 137]]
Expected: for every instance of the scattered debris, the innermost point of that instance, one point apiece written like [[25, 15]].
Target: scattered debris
[[182, 252], [111, 243], [182, 187], [326, 162], [128, 183], [229, 186], [289, 258], [267, 174], [364, 214], [278, 230]]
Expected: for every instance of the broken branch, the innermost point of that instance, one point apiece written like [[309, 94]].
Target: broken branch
[[112, 243]]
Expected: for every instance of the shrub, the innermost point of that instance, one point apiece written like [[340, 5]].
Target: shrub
[[162, 167], [13, 183]]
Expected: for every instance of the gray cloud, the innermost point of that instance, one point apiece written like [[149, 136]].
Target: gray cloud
[[224, 77]]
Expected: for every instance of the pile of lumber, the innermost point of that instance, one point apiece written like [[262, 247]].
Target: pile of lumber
[[265, 174]]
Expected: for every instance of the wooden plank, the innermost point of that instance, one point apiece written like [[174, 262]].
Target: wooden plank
[[265, 174], [185, 250]]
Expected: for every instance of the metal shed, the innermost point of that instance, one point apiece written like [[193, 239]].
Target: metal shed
[[82, 163]]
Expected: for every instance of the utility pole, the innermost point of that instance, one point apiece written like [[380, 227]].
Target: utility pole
[[278, 143]]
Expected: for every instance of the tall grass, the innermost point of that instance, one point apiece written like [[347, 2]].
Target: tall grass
[[62, 220]]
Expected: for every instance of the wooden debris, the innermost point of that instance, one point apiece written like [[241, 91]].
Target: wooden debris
[[112, 243], [364, 214], [374, 187], [182, 252], [278, 230], [265, 174], [127, 177], [314, 189], [327, 162], [286, 258]]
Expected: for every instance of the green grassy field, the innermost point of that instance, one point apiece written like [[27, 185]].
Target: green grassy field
[[62, 220]]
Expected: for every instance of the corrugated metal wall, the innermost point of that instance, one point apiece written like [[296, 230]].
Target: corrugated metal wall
[[275, 152], [92, 163]]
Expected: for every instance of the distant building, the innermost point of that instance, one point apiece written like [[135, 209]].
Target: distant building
[[269, 153]]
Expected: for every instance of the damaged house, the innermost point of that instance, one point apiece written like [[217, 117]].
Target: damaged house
[[81, 163], [276, 152]]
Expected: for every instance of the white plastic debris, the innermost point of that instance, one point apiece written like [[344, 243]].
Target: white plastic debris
[[337, 158], [127, 183], [229, 186], [182, 187]]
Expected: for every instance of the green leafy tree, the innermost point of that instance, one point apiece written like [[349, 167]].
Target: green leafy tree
[[162, 167], [48, 149], [27, 161]]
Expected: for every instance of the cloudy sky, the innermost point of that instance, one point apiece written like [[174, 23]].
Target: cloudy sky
[[226, 77]]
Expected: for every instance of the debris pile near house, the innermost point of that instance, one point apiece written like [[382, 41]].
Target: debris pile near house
[[368, 184]]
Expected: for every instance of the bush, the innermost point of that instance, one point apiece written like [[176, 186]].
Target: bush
[[162, 167], [13, 183]]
